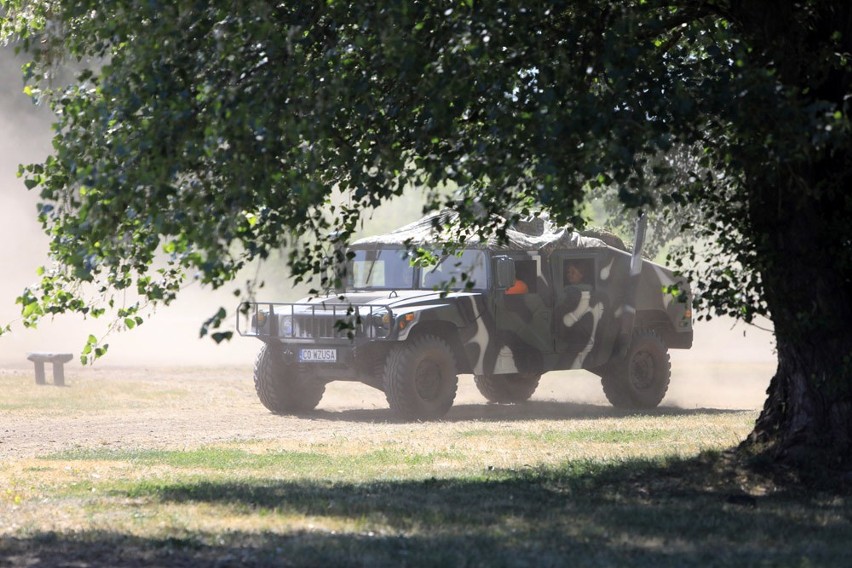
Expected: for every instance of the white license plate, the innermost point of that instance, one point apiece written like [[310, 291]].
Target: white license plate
[[318, 355]]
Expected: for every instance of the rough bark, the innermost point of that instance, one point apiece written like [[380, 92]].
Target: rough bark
[[798, 217], [807, 417]]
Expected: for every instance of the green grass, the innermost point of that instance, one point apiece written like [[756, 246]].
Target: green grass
[[296, 464], [660, 512], [589, 435], [593, 490], [387, 507]]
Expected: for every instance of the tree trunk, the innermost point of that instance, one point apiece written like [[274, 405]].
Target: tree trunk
[[807, 418], [799, 214]]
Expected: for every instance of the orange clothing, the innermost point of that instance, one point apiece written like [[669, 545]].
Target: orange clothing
[[519, 287]]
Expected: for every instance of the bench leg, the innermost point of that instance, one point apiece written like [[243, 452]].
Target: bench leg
[[58, 374], [39, 371]]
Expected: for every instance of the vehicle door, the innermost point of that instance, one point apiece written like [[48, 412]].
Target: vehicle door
[[578, 305], [523, 313]]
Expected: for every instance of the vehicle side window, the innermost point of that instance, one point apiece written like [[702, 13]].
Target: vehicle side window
[[526, 272], [578, 272]]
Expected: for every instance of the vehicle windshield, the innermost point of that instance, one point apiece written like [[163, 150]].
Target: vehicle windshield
[[382, 268], [393, 269]]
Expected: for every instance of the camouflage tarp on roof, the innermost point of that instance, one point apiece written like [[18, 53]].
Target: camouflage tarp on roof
[[537, 233]]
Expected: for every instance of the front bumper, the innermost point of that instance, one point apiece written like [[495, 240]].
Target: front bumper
[[314, 322]]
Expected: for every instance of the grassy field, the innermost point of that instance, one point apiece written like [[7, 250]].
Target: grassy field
[[594, 488]]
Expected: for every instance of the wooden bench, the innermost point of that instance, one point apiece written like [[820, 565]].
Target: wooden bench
[[58, 360]]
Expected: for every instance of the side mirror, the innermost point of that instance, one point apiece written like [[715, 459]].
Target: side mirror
[[504, 272]]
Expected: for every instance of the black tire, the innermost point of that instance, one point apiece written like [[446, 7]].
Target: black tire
[[642, 378], [420, 380], [280, 389], [507, 389]]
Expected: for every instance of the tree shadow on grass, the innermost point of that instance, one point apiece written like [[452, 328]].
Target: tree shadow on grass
[[530, 410], [638, 513]]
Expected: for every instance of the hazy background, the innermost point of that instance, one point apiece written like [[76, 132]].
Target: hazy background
[[730, 361], [170, 336]]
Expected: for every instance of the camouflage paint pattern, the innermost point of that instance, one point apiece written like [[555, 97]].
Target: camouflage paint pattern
[[555, 325]]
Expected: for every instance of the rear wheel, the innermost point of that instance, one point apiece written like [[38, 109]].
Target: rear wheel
[[420, 380], [280, 389], [507, 389], [641, 379]]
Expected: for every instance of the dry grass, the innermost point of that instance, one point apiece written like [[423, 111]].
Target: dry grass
[[26, 398], [549, 484]]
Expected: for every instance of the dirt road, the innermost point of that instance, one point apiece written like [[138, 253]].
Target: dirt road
[[185, 407]]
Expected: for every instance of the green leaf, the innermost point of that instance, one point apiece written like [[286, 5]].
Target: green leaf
[[221, 336]]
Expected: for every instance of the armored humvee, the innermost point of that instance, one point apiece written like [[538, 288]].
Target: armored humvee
[[546, 298]]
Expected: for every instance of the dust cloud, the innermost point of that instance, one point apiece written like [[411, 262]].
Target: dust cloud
[[726, 368], [169, 337]]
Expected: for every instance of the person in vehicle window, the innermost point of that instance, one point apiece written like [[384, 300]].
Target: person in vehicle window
[[578, 307], [574, 273]]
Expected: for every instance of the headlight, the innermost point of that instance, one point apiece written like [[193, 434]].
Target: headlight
[[381, 322]]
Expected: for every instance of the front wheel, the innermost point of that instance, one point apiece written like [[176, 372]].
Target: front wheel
[[420, 380], [642, 378], [507, 389], [280, 389]]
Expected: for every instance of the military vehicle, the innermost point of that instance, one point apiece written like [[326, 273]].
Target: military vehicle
[[545, 298]]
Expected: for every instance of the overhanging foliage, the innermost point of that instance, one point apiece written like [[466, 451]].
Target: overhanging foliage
[[216, 134]]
